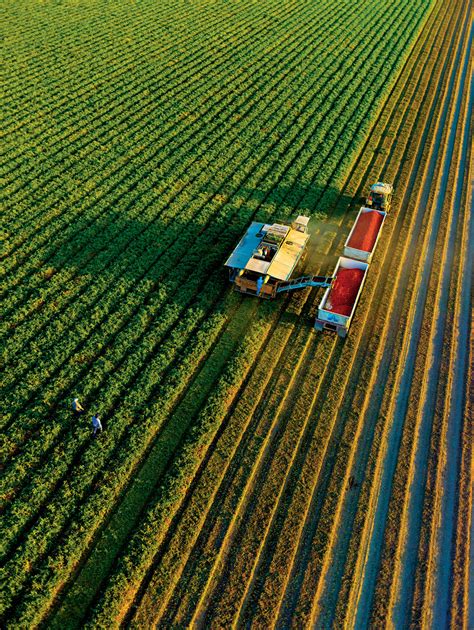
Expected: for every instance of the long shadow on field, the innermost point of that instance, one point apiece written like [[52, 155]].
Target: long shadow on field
[[126, 259], [144, 267], [149, 244]]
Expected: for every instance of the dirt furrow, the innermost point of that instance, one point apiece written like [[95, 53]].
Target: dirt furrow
[[406, 560], [443, 545], [346, 524], [369, 535]]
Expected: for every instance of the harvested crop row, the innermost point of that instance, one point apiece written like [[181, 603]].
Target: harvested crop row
[[185, 598], [223, 508], [285, 537], [431, 591], [237, 189], [436, 310], [411, 430], [462, 563], [362, 512], [407, 164], [268, 482]]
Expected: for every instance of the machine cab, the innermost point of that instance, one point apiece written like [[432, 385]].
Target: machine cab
[[380, 196], [300, 224]]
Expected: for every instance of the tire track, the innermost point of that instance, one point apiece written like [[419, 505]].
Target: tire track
[[447, 488], [404, 568], [365, 582]]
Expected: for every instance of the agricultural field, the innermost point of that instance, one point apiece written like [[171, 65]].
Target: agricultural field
[[251, 472]]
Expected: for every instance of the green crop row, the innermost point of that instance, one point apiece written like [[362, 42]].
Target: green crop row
[[150, 157], [176, 112], [112, 59], [53, 279], [136, 102], [122, 325]]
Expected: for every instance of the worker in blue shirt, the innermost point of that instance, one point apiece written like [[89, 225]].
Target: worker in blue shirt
[[96, 424]]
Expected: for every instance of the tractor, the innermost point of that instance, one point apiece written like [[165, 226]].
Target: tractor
[[380, 196]]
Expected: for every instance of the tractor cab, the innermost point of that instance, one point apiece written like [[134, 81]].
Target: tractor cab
[[300, 224], [380, 196]]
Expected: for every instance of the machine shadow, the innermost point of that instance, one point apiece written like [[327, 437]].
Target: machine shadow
[[118, 245]]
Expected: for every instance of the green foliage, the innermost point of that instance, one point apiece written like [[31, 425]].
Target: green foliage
[[141, 142]]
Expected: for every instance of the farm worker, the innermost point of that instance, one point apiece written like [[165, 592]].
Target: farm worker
[[96, 424], [259, 284], [77, 407]]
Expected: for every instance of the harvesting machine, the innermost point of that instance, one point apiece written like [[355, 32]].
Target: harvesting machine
[[267, 255], [265, 258]]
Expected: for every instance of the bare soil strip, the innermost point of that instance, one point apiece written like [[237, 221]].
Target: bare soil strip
[[405, 567], [386, 465], [443, 544]]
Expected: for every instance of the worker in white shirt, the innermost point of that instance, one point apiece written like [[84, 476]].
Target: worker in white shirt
[[77, 407], [96, 424]]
